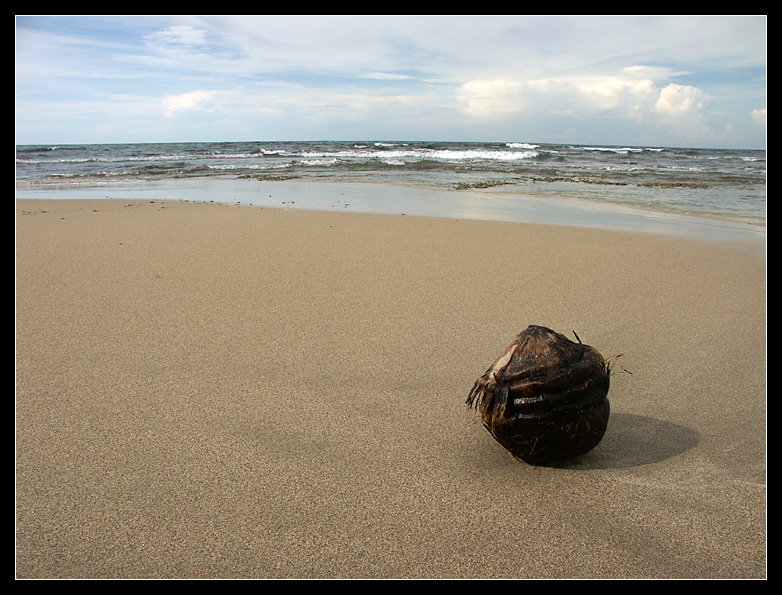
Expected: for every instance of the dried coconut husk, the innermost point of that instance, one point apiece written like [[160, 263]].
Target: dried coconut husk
[[545, 398]]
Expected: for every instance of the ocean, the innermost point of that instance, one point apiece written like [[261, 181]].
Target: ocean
[[724, 184]]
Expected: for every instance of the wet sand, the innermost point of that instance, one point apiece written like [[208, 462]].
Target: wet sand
[[225, 391]]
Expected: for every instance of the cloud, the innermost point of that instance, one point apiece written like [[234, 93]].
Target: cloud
[[488, 99], [676, 112], [177, 35], [192, 101], [286, 100], [595, 93], [680, 101], [622, 94], [759, 116], [387, 76]]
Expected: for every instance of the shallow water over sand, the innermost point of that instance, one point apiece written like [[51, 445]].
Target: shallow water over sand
[[393, 199]]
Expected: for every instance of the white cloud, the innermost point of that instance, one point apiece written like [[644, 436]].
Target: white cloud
[[487, 99], [593, 93], [680, 101], [759, 116], [387, 76], [681, 111], [290, 102], [178, 35], [630, 95], [622, 94], [192, 101]]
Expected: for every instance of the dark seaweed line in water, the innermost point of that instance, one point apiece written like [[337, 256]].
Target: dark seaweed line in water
[[495, 183]]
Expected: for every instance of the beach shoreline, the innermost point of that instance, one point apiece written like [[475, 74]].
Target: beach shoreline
[[416, 200], [223, 390]]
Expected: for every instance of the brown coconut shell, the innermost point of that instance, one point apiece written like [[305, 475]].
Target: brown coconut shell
[[545, 398]]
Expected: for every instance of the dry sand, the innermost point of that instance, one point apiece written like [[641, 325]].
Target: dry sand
[[214, 391]]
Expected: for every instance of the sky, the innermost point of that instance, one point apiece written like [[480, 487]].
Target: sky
[[657, 80]]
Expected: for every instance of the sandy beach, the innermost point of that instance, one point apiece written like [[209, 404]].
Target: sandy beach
[[225, 391]]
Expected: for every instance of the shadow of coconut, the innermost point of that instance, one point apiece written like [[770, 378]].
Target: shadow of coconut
[[635, 440]]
